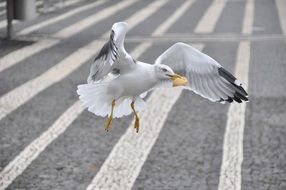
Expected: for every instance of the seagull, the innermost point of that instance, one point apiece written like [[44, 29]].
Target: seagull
[[117, 83]]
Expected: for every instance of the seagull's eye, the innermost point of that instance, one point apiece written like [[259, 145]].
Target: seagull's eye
[[164, 70]]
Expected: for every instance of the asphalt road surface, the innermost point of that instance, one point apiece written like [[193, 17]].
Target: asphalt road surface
[[49, 141]]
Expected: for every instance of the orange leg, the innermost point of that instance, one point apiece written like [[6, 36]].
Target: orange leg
[[109, 120], [136, 125]]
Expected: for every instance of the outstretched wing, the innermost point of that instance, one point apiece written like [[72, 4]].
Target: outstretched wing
[[112, 57], [205, 75]]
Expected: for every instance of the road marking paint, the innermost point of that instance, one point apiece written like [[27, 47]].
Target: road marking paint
[[2, 12], [66, 15], [39, 3], [71, 2], [230, 173], [169, 22], [90, 20], [207, 23], [281, 7], [10, 59], [32, 151], [248, 18], [3, 23], [37, 47]]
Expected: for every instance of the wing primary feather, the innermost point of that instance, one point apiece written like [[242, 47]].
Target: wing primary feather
[[220, 90], [229, 99], [227, 75], [238, 90], [223, 93], [196, 84], [213, 88], [201, 87], [230, 78], [226, 88], [210, 93], [237, 99], [240, 96], [103, 52]]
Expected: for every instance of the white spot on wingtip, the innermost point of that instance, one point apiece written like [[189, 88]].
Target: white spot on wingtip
[[237, 82]]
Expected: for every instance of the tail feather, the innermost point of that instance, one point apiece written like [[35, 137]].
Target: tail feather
[[96, 98]]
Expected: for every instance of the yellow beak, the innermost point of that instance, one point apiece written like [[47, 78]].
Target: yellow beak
[[179, 80]]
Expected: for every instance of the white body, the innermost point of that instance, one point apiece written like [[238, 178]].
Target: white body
[[137, 81]]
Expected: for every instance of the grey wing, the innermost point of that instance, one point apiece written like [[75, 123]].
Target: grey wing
[[205, 75], [112, 57]]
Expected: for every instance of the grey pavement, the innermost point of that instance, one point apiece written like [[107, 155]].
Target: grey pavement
[[188, 152]]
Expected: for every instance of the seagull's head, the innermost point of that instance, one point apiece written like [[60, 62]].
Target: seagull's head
[[164, 72]]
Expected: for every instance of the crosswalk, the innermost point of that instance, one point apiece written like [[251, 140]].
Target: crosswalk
[[127, 158]]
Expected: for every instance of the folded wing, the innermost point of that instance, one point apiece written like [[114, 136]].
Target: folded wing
[[205, 75]]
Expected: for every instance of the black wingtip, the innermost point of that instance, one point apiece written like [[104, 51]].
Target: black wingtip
[[231, 79], [239, 93], [240, 96], [108, 47], [237, 97]]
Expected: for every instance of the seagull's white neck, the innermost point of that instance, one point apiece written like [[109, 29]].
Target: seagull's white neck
[[149, 71]]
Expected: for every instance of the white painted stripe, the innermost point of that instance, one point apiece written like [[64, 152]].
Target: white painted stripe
[[2, 12], [248, 18], [38, 3], [230, 174], [168, 23], [2, 4], [89, 21], [281, 7], [146, 12], [207, 24], [59, 18], [37, 47], [54, 6], [71, 2], [31, 152], [10, 59], [127, 157], [3, 23]]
